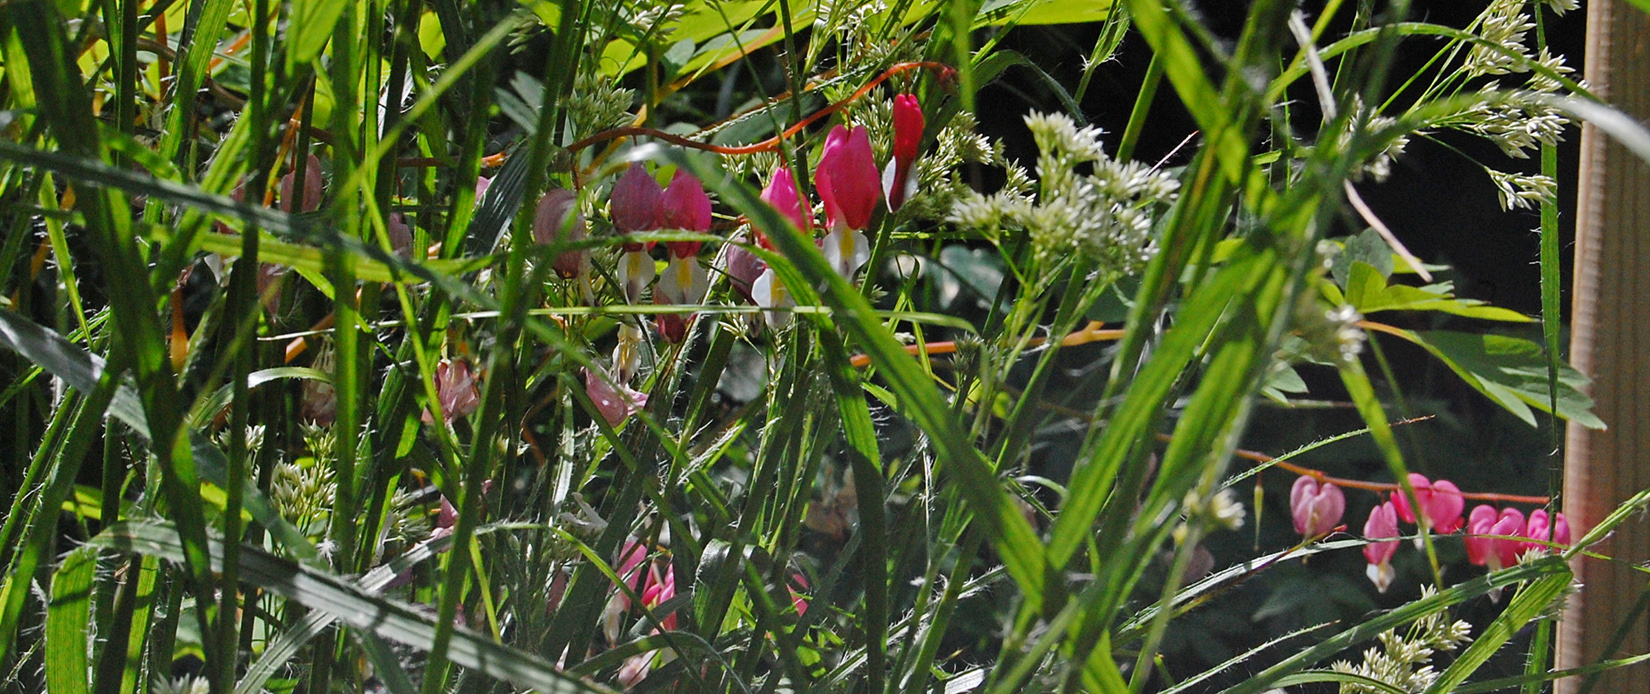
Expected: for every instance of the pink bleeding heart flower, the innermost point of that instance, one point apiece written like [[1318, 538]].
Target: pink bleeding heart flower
[[1505, 550], [1441, 503], [1479, 522], [312, 187], [456, 388], [1539, 529], [897, 183], [557, 222], [1382, 524], [848, 182], [1561, 530], [637, 204], [673, 327], [685, 206], [637, 201], [783, 196], [616, 401], [1316, 508]]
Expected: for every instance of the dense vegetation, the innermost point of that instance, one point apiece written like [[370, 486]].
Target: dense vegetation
[[714, 346]]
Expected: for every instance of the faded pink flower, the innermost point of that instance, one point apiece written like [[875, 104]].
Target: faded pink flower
[[312, 187], [401, 235], [1316, 508], [897, 183], [616, 401], [556, 221], [1382, 524], [455, 385], [1441, 503]]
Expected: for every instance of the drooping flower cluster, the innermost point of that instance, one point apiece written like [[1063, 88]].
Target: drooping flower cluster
[[1492, 537]]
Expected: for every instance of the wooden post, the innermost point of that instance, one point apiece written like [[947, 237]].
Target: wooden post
[[1610, 342]]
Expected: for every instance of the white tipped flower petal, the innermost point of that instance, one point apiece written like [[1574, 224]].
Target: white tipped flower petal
[[770, 293], [635, 273], [846, 250]]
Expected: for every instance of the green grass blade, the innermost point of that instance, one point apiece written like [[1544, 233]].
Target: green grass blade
[[388, 619], [66, 623]]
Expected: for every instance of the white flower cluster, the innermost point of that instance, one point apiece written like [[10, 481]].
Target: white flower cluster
[[1504, 24], [1379, 167], [1516, 125], [1405, 662], [1105, 215], [1520, 191]]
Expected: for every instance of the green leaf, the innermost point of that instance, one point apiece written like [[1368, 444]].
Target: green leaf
[[1368, 248], [309, 29], [1029, 12], [66, 623], [1367, 291], [1509, 370]]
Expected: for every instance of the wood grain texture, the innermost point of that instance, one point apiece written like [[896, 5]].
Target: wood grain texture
[[1610, 342]]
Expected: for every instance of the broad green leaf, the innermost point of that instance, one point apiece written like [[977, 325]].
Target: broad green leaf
[[1367, 290], [1511, 371]]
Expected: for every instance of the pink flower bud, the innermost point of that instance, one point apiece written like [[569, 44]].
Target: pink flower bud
[[1316, 508], [616, 401], [908, 124], [1441, 503], [558, 222], [847, 178], [1479, 522], [685, 206], [1561, 530], [1382, 523], [456, 387], [781, 193], [636, 204], [673, 327], [312, 187]]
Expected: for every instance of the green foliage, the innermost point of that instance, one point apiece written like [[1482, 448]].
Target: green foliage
[[372, 436]]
